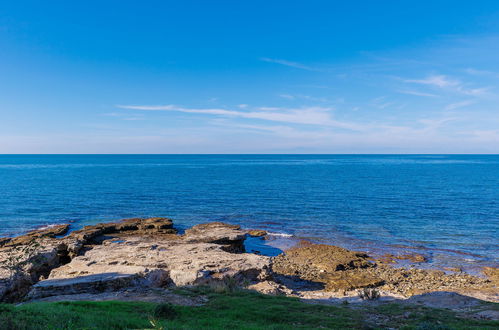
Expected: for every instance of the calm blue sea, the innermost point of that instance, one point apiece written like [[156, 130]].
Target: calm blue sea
[[446, 206]]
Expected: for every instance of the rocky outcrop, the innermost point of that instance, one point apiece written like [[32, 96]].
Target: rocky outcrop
[[150, 263], [230, 237], [23, 265], [257, 233], [412, 281], [492, 274], [334, 266], [142, 255], [340, 270], [48, 232], [312, 260]]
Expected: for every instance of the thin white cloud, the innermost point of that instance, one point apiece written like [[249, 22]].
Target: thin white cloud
[[435, 80], [445, 83], [474, 91], [288, 63], [476, 72], [417, 93], [433, 124], [458, 105], [303, 97], [381, 103], [310, 115]]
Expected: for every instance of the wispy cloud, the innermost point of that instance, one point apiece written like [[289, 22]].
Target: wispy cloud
[[417, 93], [321, 116], [458, 105], [476, 72], [435, 123], [287, 96], [446, 83], [435, 80], [289, 63], [304, 97], [381, 103], [313, 98]]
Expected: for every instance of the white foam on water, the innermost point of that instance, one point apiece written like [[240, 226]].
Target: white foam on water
[[47, 226], [280, 234]]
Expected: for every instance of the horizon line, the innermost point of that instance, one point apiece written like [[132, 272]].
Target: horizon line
[[244, 154]]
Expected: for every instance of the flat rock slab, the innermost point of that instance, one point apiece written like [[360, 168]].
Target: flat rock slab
[[82, 284], [156, 295]]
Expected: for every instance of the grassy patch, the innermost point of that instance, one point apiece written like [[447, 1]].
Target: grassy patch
[[235, 310]]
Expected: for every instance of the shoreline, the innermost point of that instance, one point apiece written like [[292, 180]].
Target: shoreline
[[149, 253], [393, 253]]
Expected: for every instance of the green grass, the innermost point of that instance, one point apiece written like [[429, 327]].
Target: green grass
[[236, 310]]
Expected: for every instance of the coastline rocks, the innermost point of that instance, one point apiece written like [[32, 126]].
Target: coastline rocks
[[48, 232], [231, 237], [414, 281], [257, 233], [492, 273], [341, 270], [110, 259], [311, 261], [23, 265], [138, 259], [127, 226], [334, 266]]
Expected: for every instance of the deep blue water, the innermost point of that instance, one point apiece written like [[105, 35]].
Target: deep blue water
[[446, 206]]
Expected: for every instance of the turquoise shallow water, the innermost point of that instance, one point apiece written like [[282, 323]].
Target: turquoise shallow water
[[445, 206]]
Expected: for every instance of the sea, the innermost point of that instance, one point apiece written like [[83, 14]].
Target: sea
[[445, 207]]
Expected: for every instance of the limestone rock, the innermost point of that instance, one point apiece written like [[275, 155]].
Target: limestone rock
[[50, 232], [22, 265], [231, 237], [155, 261]]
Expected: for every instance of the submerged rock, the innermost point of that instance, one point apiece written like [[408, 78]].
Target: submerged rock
[[257, 233], [392, 259]]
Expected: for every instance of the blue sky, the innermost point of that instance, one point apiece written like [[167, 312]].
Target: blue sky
[[249, 76]]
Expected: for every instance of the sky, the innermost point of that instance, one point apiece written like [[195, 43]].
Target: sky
[[249, 76]]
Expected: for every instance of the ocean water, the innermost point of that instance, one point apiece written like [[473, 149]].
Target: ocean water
[[444, 206]]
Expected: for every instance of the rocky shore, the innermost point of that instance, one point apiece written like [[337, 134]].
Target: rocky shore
[[142, 256]]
